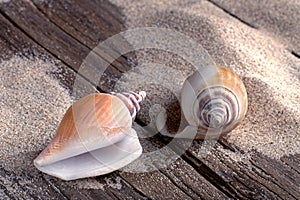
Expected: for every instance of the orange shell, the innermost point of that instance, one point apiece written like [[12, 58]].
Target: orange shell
[[213, 81], [88, 124]]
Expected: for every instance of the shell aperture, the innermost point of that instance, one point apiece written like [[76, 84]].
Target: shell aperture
[[95, 137]]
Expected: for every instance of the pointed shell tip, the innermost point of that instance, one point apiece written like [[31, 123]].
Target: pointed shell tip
[[143, 94]]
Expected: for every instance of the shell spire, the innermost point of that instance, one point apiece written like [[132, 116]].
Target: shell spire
[[95, 137], [215, 101], [132, 100]]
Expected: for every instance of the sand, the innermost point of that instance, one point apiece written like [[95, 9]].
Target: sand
[[32, 101], [32, 104], [270, 72], [279, 19]]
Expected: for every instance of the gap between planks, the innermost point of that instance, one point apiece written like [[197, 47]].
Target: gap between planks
[[199, 162], [55, 188]]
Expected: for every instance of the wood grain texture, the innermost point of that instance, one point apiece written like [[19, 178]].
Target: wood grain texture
[[162, 185], [57, 37], [26, 185], [262, 177], [67, 32], [15, 185], [278, 18]]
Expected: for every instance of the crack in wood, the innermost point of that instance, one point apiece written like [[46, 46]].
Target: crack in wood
[[232, 15], [211, 176], [55, 188], [132, 187], [178, 185], [226, 145], [66, 32], [204, 170], [292, 163], [295, 54], [270, 179], [200, 167], [243, 183]]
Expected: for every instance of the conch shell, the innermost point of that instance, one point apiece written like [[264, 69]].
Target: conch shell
[[213, 102], [95, 137]]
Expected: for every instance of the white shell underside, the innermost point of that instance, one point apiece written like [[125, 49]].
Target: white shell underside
[[97, 162]]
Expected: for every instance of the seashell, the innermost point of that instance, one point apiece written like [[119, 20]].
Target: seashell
[[213, 102], [95, 137]]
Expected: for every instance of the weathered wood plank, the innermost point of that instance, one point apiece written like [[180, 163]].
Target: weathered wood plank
[[120, 187], [66, 192], [110, 186], [48, 36], [262, 177], [292, 161], [53, 38], [155, 185], [192, 183], [237, 179], [279, 18], [26, 185], [173, 179], [282, 176], [12, 43], [90, 24], [29, 185], [242, 185]]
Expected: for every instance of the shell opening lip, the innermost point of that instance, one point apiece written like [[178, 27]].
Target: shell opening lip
[[97, 162], [91, 142]]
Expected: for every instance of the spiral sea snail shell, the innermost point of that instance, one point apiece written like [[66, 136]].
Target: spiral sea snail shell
[[95, 137], [213, 102]]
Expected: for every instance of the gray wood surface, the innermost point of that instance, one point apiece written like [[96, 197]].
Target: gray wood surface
[[67, 32]]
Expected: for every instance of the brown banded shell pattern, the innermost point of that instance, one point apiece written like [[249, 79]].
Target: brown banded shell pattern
[[132, 101], [219, 102]]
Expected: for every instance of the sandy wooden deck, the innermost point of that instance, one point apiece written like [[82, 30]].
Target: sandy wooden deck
[[66, 31]]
